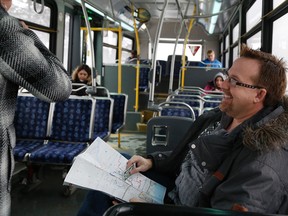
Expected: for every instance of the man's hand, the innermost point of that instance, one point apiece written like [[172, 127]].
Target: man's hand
[[142, 164]]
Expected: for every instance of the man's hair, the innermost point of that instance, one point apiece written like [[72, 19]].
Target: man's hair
[[209, 52], [272, 74]]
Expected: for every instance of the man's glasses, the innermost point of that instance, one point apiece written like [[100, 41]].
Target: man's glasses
[[233, 82]]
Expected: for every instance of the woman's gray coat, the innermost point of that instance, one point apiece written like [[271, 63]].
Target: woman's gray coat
[[26, 62]]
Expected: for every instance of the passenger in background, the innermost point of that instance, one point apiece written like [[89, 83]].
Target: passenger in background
[[211, 61], [81, 75], [215, 84], [24, 61], [253, 120], [132, 58]]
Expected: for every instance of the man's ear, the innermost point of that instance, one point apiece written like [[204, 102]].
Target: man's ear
[[260, 95]]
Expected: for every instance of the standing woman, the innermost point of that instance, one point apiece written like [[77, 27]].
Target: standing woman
[[26, 62]]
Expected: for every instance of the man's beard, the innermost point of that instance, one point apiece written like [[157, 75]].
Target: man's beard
[[225, 106]]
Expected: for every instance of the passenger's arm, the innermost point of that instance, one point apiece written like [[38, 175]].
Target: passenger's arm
[[25, 61]]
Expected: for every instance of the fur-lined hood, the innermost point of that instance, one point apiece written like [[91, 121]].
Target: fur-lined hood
[[271, 132]]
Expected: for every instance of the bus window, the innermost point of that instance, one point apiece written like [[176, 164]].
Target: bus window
[[66, 40], [276, 3], [25, 10], [192, 53], [253, 15], [255, 41], [279, 38], [235, 33]]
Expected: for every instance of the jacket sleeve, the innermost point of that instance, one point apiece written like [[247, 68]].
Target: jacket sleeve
[[25, 61], [255, 188]]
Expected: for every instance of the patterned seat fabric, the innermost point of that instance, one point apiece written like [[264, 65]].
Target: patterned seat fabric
[[69, 133], [57, 152], [102, 119], [119, 111], [31, 120], [144, 79]]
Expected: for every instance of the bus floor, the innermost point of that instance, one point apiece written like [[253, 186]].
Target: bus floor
[[46, 196]]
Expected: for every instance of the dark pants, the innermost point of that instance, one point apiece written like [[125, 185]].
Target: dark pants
[[96, 202]]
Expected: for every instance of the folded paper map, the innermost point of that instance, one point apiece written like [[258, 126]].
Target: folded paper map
[[102, 168]]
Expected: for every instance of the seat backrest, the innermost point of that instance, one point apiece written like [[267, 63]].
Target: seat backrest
[[31, 117], [144, 78], [175, 108], [119, 111], [102, 116], [72, 120], [165, 132]]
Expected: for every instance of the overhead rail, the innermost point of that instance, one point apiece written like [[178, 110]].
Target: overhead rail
[[173, 55], [138, 60], [92, 89], [184, 47], [155, 46]]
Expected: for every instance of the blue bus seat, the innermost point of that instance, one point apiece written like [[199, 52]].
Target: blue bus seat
[[165, 132], [195, 101], [173, 108], [144, 78], [103, 114], [70, 132], [211, 102], [119, 111], [162, 63], [31, 125]]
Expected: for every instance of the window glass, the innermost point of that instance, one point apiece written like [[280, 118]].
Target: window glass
[[276, 3], [253, 15], [193, 51], [235, 33], [110, 37], [109, 55], [226, 60], [66, 40], [227, 41], [254, 42], [45, 37], [86, 47], [25, 10], [235, 53], [127, 43], [280, 38], [125, 55]]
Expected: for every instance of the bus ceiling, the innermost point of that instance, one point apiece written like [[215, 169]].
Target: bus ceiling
[[213, 15]]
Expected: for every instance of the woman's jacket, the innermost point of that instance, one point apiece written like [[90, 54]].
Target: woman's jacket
[[25, 62]]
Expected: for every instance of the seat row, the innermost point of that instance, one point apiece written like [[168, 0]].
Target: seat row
[[181, 102], [57, 132]]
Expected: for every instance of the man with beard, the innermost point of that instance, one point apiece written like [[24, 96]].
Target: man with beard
[[234, 157]]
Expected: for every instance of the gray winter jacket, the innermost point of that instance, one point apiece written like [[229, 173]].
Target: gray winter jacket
[[254, 176], [26, 62]]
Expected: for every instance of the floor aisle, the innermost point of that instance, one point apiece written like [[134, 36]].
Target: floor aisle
[[47, 198]]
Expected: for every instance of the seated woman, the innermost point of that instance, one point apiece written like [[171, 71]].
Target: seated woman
[[215, 84], [81, 75]]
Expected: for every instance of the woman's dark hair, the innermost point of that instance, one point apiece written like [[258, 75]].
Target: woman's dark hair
[[79, 68]]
